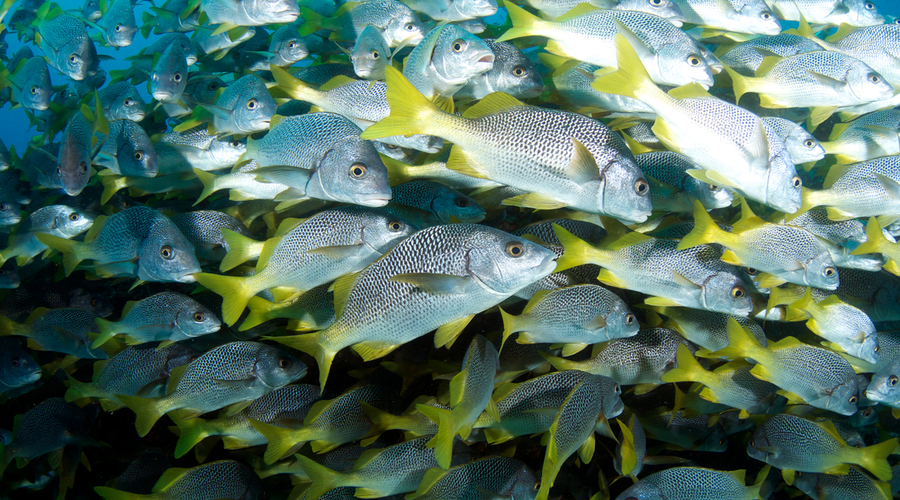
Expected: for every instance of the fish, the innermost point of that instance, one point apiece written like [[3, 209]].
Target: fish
[[117, 23], [864, 189], [589, 169], [58, 220], [471, 278], [65, 41], [695, 482], [223, 478], [30, 82], [670, 170], [668, 9], [754, 17], [428, 203], [512, 73], [203, 229], [370, 54], [317, 251], [488, 477], [169, 75], [63, 330], [17, 366], [865, 138], [141, 370], [856, 484], [243, 107], [235, 373], [746, 57], [445, 60], [249, 12], [399, 25], [166, 316], [127, 150], [828, 12], [121, 101]]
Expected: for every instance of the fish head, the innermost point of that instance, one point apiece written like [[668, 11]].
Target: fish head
[[271, 11], [404, 29], [289, 50], [867, 348], [74, 161], [70, 222], [820, 272], [761, 447], [643, 490], [782, 183], [458, 56], [254, 108], [17, 367], [9, 279], [803, 147], [22, 19], [715, 440], [74, 58], [885, 385], [451, 203], [710, 196], [169, 76], [726, 292], [127, 106], [194, 320], [864, 13], [867, 84], [503, 263], [9, 213], [512, 73], [166, 255], [120, 33], [610, 394], [842, 399], [203, 88], [227, 151], [276, 368], [351, 171], [92, 301], [370, 54], [623, 192], [136, 156], [383, 230], [756, 17], [37, 89], [682, 64], [621, 322], [475, 8]]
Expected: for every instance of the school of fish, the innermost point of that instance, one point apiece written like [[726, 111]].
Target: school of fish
[[450, 249]]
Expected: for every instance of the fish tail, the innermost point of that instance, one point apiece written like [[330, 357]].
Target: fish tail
[[281, 441], [631, 79], [442, 442], [323, 479], [234, 290], [240, 249], [523, 22], [809, 199], [192, 432], [687, 369], [209, 184], [576, 249], [705, 230], [874, 239], [739, 83], [111, 185], [560, 364], [509, 326], [760, 480], [10, 327], [294, 87], [260, 311], [148, 21], [107, 331], [146, 410], [874, 458], [69, 249], [800, 309], [411, 112], [114, 494], [381, 420], [741, 344], [78, 390], [311, 343], [312, 21]]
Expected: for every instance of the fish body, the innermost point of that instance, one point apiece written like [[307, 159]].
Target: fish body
[[480, 480], [62, 330], [49, 426], [552, 9], [31, 84], [454, 10], [866, 138], [695, 483], [738, 16], [746, 57], [828, 12], [671, 168], [128, 151], [708, 329], [203, 229], [398, 23], [445, 60], [876, 46], [221, 479], [65, 42], [865, 189], [232, 373], [250, 12], [855, 485], [460, 269], [17, 367], [165, 316], [180, 152], [58, 220]]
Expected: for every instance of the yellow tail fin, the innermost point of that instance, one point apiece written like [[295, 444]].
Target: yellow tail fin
[[295, 88], [145, 410], [874, 458], [523, 22], [411, 112], [71, 250], [192, 432], [282, 441], [631, 79], [260, 311], [509, 326], [874, 239], [442, 442], [240, 249], [687, 370], [323, 479], [739, 83], [577, 251], [741, 344], [311, 343], [234, 291], [705, 230], [209, 184], [107, 331]]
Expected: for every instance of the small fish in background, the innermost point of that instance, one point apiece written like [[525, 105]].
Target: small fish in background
[[127, 150], [116, 24], [370, 54], [221, 479], [17, 367], [167, 317], [59, 220], [121, 101], [30, 83]]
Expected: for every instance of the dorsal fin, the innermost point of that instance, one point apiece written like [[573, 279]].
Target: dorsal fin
[[535, 299], [493, 103], [337, 81], [691, 90], [843, 31], [577, 11], [341, 288], [766, 65]]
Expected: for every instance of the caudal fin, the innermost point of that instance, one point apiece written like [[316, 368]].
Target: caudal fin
[[311, 344], [442, 442], [874, 459], [411, 112], [146, 412], [240, 249], [282, 441], [234, 291], [69, 249], [688, 369]]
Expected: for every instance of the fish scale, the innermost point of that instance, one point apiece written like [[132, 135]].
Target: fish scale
[[746, 57], [878, 46], [692, 483], [858, 192], [309, 132], [163, 316], [222, 479], [135, 367], [829, 12], [503, 476], [671, 168]]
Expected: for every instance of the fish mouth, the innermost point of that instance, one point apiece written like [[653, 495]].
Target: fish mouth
[[162, 96], [188, 278], [484, 62], [373, 200]]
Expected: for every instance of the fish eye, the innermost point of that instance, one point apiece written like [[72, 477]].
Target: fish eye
[[4, 207], [35, 90], [95, 302], [291, 45], [236, 143], [458, 46], [877, 348], [796, 182], [829, 272], [753, 443], [284, 363], [869, 6], [252, 104], [630, 319], [358, 170], [375, 54], [395, 225], [641, 187], [892, 380], [712, 187], [391, 146], [462, 202], [176, 77], [83, 166], [738, 292], [410, 27], [694, 60], [617, 389], [751, 271], [58, 171], [766, 16], [853, 399], [809, 143], [722, 441], [199, 317], [15, 362], [656, 3], [167, 252], [73, 59], [868, 411], [515, 249], [874, 78], [128, 102], [138, 155], [212, 86], [537, 485], [118, 28], [519, 71], [74, 216]]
